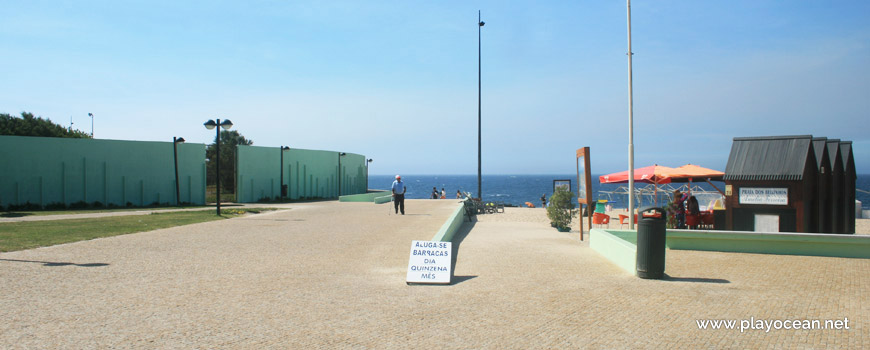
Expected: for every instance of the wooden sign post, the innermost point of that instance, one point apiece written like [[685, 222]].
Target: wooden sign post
[[584, 186]]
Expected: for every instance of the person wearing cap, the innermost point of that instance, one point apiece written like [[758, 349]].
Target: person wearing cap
[[399, 194]]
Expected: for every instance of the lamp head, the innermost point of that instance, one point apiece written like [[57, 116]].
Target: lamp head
[[90, 114], [210, 124], [226, 124], [179, 140], [370, 160], [285, 148], [342, 154], [482, 23]]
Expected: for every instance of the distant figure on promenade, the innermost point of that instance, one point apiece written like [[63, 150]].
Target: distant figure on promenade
[[443, 193], [398, 190], [458, 194], [544, 200], [679, 208], [434, 194]]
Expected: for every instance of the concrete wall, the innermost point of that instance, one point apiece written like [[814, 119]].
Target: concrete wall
[[364, 197], [308, 174], [452, 225], [620, 246], [50, 171]]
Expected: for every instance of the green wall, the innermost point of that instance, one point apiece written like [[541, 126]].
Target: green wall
[[451, 226], [308, 174], [49, 171]]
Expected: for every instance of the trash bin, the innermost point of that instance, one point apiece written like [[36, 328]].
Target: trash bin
[[600, 206], [651, 243]]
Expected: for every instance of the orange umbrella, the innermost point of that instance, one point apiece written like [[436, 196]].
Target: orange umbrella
[[691, 172], [653, 174]]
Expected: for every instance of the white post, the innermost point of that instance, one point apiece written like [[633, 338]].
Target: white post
[[630, 128]]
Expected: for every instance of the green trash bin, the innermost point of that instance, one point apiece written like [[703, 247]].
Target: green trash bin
[[651, 237]]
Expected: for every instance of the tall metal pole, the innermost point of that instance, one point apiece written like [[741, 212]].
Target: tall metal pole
[[630, 127], [92, 124], [175, 157], [218, 156], [281, 190], [479, 190]]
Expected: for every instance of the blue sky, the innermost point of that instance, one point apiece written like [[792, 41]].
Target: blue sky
[[397, 81]]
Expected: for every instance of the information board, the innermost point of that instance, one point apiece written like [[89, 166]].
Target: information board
[[769, 196], [430, 262]]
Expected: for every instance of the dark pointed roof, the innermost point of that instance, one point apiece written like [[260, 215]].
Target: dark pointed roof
[[769, 158], [834, 155], [848, 158], [821, 152]]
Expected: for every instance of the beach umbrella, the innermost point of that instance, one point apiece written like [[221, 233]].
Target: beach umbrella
[[653, 174], [690, 172]]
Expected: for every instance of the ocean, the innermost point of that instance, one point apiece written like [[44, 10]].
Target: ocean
[[518, 189]]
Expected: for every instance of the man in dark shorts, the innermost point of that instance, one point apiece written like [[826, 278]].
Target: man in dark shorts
[[399, 194]]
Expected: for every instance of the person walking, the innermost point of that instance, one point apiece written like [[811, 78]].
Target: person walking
[[544, 200], [458, 194], [434, 193], [398, 190], [443, 193]]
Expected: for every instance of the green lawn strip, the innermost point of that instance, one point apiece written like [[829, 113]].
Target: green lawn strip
[[26, 235], [16, 214]]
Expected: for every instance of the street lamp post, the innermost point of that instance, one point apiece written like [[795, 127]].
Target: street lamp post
[[226, 125], [368, 161], [175, 142], [340, 154], [283, 148], [92, 124], [479, 25], [630, 125]]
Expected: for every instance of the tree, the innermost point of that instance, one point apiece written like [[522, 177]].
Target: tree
[[229, 141], [28, 125], [561, 209]]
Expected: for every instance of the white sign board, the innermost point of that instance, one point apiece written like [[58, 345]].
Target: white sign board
[[770, 196], [430, 262], [766, 223]]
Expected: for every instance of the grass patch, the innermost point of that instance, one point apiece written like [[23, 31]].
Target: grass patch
[[18, 214], [26, 235]]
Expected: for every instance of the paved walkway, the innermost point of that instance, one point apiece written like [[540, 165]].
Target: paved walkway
[[331, 275]]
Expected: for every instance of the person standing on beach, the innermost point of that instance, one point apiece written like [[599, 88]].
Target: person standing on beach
[[443, 193], [434, 193], [544, 200], [458, 194], [399, 194]]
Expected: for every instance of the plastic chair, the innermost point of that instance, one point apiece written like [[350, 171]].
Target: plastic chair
[[707, 219], [693, 221], [600, 219], [623, 220]]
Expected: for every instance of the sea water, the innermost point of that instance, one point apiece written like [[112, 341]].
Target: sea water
[[518, 189]]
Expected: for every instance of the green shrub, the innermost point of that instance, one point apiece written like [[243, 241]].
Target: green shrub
[[561, 209]]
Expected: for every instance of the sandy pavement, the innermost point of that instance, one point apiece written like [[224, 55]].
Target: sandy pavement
[[331, 275]]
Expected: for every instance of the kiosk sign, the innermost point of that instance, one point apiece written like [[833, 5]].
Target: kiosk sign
[[430, 262], [770, 196]]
